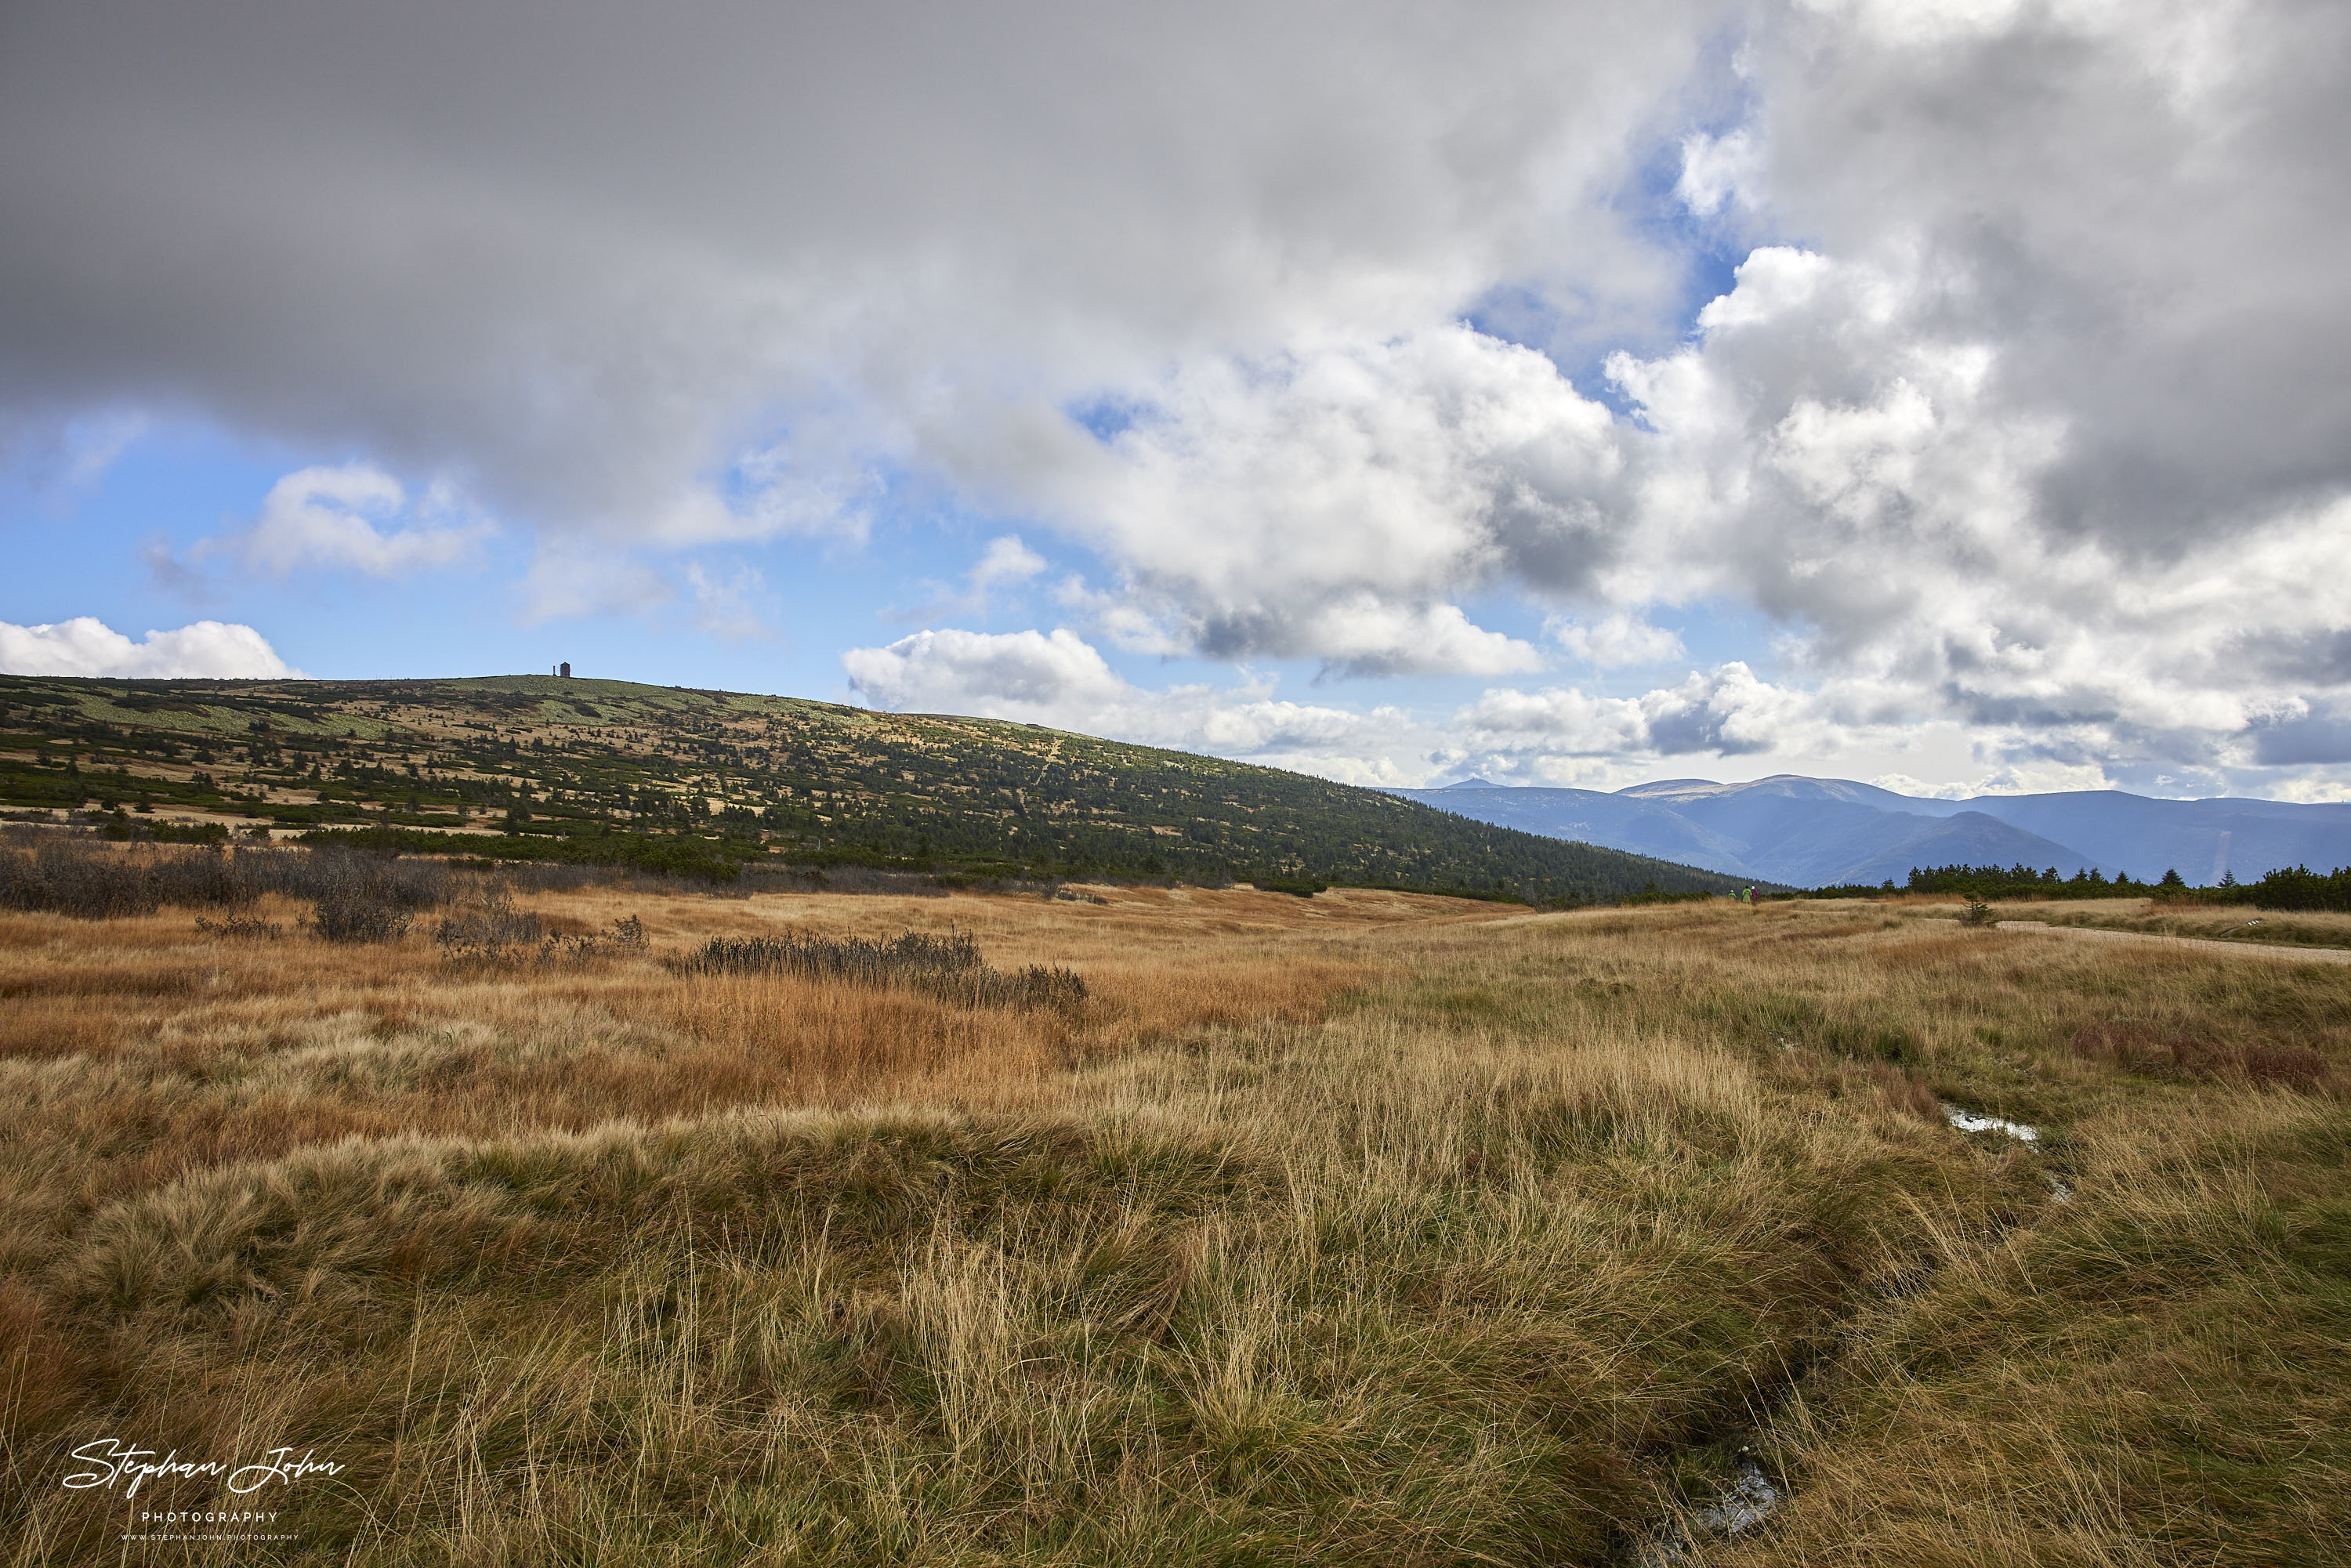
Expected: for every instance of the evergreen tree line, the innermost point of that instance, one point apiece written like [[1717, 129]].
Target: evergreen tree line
[[2286, 889]]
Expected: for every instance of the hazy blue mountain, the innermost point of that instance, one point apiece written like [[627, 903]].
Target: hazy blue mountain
[[2201, 839], [1810, 831], [1804, 836], [1811, 839], [1614, 820]]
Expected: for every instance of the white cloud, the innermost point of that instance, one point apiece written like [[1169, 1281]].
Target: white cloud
[[568, 580], [1726, 711], [333, 518], [1903, 784], [1006, 563], [1363, 635], [2313, 792], [1027, 671], [87, 647], [2031, 778], [1716, 170], [1332, 505], [1059, 679], [1617, 640], [735, 608], [1826, 450], [1007, 560], [2040, 778], [61, 460]]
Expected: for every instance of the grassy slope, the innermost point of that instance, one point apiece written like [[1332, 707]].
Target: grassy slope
[[1363, 1230], [590, 759]]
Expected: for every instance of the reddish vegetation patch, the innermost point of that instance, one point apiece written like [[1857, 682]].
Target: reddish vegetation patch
[[1903, 1090], [2177, 1054], [37, 1371]]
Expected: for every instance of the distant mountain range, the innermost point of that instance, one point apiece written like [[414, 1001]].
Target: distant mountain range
[[1814, 832]]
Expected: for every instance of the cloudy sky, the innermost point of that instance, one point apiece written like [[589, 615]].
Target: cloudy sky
[[1949, 391]]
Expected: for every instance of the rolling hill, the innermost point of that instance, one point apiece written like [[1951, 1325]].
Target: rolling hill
[[538, 767]]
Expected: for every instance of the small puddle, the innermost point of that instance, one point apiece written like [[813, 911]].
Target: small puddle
[[1745, 1503], [1967, 1121]]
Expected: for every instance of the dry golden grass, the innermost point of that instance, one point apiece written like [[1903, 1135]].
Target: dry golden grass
[[2181, 917], [1368, 1228]]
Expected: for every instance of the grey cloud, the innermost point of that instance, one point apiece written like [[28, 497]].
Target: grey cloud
[[576, 256], [170, 574], [2315, 657], [1700, 730], [1556, 544], [2141, 206], [2317, 738], [2077, 708], [1369, 668], [1236, 635]]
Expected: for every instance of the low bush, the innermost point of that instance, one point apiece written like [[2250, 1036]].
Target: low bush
[[339, 876], [212, 877], [949, 968], [852, 878], [241, 927], [489, 926], [92, 880], [489, 930], [76, 877], [360, 917], [657, 854]]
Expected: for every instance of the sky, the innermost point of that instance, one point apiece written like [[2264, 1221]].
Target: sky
[[1954, 394]]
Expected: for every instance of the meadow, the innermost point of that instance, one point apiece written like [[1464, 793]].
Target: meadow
[[1368, 1227]]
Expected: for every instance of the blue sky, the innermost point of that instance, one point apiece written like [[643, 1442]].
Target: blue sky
[[1610, 393], [125, 542]]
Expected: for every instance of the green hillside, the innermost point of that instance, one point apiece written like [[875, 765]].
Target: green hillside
[[534, 767]]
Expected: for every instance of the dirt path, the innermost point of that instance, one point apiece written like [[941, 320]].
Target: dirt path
[[2254, 949]]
